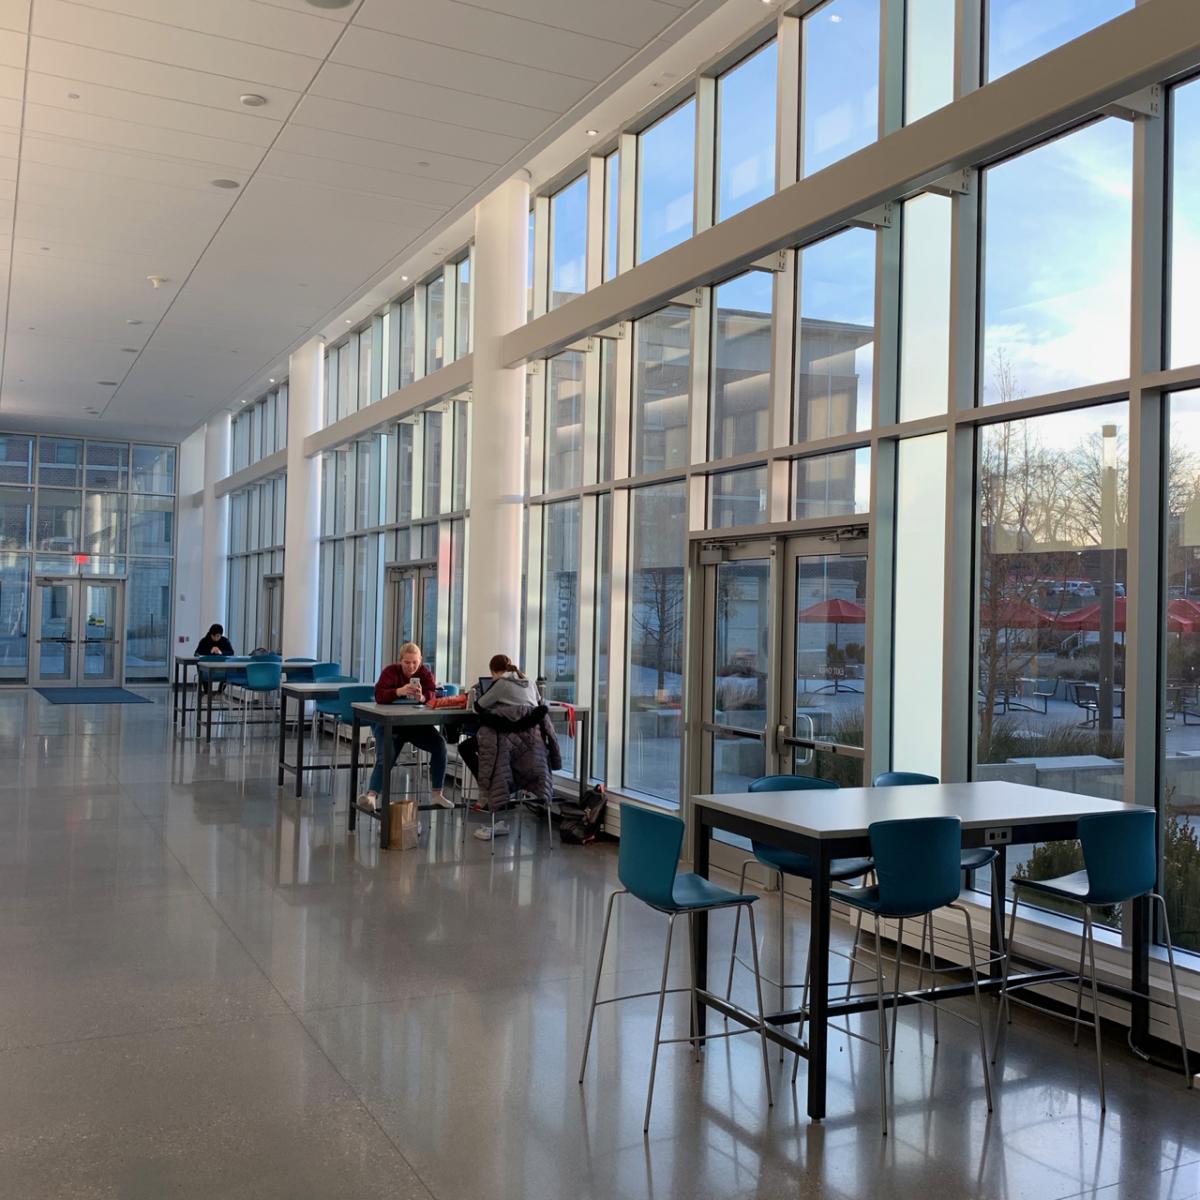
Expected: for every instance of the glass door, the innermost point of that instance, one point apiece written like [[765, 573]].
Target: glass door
[[78, 632], [54, 606], [824, 659], [411, 610], [780, 653]]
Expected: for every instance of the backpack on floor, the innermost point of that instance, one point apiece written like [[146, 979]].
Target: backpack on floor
[[580, 824]]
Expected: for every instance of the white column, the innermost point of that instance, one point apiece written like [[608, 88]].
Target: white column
[[301, 565], [215, 559], [493, 601], [189, 544]]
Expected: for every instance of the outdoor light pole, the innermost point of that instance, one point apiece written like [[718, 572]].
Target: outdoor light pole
[[1108, 563]]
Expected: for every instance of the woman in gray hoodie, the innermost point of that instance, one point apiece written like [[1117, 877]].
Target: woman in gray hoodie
[[517, 746]]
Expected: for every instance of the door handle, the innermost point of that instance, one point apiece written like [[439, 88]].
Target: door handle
[[56, 641]]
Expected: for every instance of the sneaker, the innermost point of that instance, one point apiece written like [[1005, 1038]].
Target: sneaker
[[440, 798], [369, 800], [484, 832]]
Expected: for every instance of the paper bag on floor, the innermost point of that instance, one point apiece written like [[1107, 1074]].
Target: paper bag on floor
[[404, 830]]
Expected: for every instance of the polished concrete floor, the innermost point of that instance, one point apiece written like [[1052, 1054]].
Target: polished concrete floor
[[210, 990]]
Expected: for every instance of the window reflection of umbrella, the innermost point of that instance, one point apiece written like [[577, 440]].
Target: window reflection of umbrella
[[1015, 614], [1181, 618], [834, 612]]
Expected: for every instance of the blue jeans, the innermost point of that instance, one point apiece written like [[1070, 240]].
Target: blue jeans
[[423, 737]]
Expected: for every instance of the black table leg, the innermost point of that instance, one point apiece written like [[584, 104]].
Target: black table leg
[[385, 796], [585, 755], [818, 997], [999, 884], [211, 688], [355, 726], [175, 696], [283, 699], [1139, 982], [300, 750], [699, 922]]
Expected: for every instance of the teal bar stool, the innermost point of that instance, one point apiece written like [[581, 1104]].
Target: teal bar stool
[[647, 865], [262, 679], [326, 672], [789, 862], [917, 872], [1120, 852]]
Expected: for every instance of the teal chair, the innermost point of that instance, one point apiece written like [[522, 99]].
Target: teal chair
[[263, 680], [647, 866], [917, 872], [1120, 853], [971, 860], [328, 706], [343, 714], [781, 863]]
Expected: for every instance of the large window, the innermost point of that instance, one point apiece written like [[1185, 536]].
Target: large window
[[564, 421], [601, 710], [1056, 255], [662, 380], [568, 242], [557, 660], [1051, 657], [666, 182], [741, 365], [839, 81], [928, 56], [1184, 310], [925, 307], [612, 212], [835, 338], [465, 311], [1019, 31], [656, 600], [746, 133], [435, 323], [1180, 717]]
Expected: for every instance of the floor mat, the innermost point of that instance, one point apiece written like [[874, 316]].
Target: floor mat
[[94, 695]]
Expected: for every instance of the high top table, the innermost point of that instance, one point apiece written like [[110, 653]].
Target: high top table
[[393, 716], [179, 689], [833, 824], [303, 692]]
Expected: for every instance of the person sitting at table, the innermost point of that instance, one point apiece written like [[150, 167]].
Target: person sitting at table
[[214, 642], [408, 679], [516, 746]]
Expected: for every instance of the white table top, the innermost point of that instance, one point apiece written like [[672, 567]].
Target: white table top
[[848, 812], [420, 714], [321, 687]]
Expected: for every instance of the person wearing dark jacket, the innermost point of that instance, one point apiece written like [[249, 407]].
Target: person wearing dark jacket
[[213, 642], [408, 679], [516, 744]]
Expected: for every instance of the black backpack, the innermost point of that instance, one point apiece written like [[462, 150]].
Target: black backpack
[[580, 824]]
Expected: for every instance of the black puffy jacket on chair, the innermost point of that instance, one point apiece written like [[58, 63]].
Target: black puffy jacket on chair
[[517, 752]]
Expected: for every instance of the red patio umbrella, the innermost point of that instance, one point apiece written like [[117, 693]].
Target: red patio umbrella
[[833, 612], [1179, 620], [1015, 614]]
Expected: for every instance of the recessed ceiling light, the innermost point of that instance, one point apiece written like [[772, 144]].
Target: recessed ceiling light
[[330, 3], [253, 100], [93, 411], [226, 183], [72, 95], [271, 380], [31, 328], [592, 132], [129, 350], [349, 322], [422, 163], [403, 278], [107, 382], [133, 321], [45, 247]]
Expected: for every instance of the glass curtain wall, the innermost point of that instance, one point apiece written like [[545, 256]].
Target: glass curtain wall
[[257, 520], [73, 506]]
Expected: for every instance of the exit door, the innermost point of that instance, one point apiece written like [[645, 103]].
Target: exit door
[[78, 637], [782, 662], [411, 611]]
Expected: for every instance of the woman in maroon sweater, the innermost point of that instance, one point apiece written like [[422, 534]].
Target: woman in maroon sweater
[[408, 679]]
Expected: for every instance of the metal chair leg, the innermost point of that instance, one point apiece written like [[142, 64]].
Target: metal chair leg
[[782, 953], [1079, 990], [896, 988], [762, 1021], [983, 1054], [883, 1066], [737, 925], [1187, 1066], [933, 979], [1005, 1007], [694, 1032], [662, 997], [1091, 946], [587, 1039]]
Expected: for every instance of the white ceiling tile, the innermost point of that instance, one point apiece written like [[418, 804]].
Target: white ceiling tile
[[634, 22], [119, 104], [411, 98], [420, 133], [10, 113], [337, 147], [298, 32], [12, 82], [85, 64], [124, 135], [431, 195], [435, 64], [12, 48], [14, 14], [68, 22], [496, 35]]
